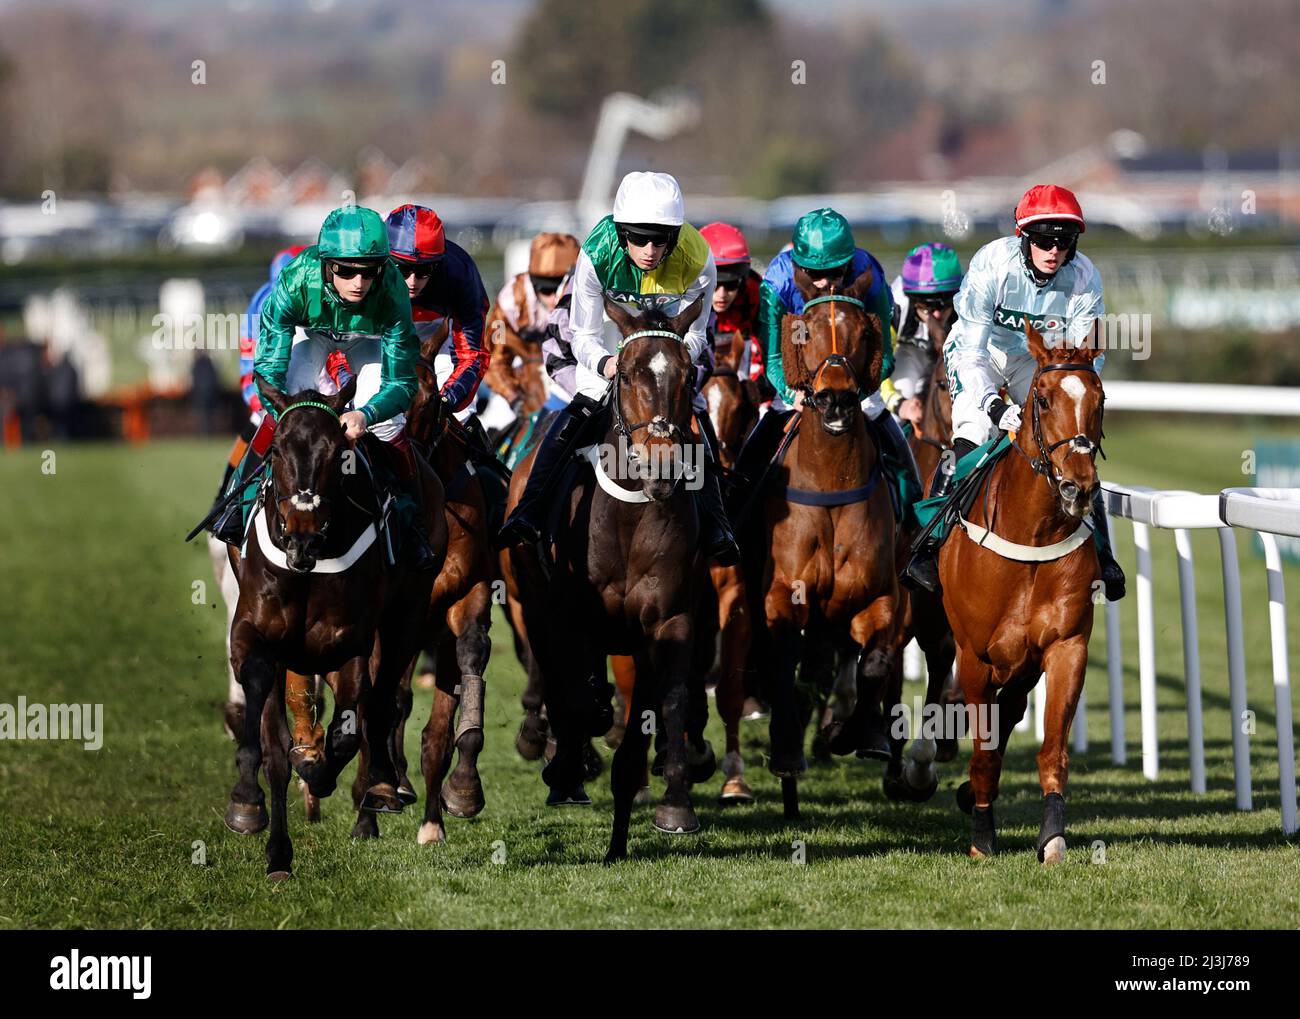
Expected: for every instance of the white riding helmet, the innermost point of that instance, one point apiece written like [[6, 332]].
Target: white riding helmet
[[649, 198]]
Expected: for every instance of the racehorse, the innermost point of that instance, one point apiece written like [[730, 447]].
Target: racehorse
[[1018, 579], [317, 596], [829, 527], [620, 575], [455, 630]]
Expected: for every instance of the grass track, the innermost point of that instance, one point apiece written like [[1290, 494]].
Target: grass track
[[97, 607]]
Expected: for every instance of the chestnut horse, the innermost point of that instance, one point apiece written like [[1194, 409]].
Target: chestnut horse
[[317, 596], [621, 577], [1018, 579], [829, 527]]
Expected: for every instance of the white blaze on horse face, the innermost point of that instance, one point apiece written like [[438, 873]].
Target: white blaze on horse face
[[715, 404], [1073, 387], [659, 365]]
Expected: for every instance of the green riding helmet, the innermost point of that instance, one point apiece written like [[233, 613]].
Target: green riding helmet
[[353, 232], [822, 240]]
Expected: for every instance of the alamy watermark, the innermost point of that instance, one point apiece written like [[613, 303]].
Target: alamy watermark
[[945, 721], [79, 722], [641, 462]]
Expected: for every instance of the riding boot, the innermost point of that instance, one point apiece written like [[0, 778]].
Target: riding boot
[[1111, 574], [900, 452], [757, 453], [529, 517], [922, 573], [402, 461], [716, 539], [229, 526]]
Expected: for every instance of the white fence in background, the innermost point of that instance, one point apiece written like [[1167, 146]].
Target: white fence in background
[[1266, 511]]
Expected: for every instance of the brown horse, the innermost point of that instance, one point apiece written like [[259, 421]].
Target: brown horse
[[1018, 582], [317, 596], [829, 527], [621, 577], [933, 435]]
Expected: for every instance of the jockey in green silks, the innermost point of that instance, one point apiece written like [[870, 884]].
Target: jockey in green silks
[[341, 308]]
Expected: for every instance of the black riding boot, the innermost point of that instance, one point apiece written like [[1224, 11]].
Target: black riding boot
[[716, 539], [402, 462], [525, 524], [756, 454], [1111, 574], [922, 573], [229, 526]]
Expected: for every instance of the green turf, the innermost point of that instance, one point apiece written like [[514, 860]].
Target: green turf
[[98, 607]]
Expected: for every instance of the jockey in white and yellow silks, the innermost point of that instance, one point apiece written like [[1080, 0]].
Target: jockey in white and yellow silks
[[644, 255], [1038, 276]]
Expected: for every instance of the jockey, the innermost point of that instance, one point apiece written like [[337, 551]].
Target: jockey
[[1037, 275], [346, 297], [524, 307], [442, 281], [824, 250], [922, 294], [736, 297], [643, 255]]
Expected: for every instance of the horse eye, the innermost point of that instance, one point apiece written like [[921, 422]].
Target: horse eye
[[1042, 402]]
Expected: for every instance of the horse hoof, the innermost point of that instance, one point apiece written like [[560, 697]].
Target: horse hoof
[[406, 793], [839, 738], [574, 797], [965, 798], [531, 741], [246, 818], [894, 787], [614, 738], [787, 765], [821, 747], [642, 797], [276, 876], [946, 750], [310, 806], [425, 681], [700, 764], [430, 834], [564, 773], [735, 792], [875, 746], [365, 828], [381, 798], [592, 763], [754, 710], [462, 803], [983, 833], [673, 820], [1053, 852], [921, 793]]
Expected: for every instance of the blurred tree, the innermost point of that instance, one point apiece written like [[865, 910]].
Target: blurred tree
[[789, 166]]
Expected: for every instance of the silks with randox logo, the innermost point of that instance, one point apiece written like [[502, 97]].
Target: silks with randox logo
[[659, 287], [1009, 318]]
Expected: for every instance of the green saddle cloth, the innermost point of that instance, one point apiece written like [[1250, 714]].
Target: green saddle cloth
[[981, 458]]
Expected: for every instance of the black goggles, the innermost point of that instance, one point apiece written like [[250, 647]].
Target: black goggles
[[1049, 241], [347, 270], [420, 270], [638, 239], [545, 285], [729, 283]]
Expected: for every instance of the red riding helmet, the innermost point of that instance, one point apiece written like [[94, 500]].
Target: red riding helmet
[[1047, 201], [415, 234], [727, 244]]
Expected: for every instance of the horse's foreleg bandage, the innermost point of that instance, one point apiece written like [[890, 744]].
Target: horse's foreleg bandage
[[471, 691]]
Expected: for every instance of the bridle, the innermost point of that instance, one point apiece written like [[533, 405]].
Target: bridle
[[808, 382], [657, 426], [1042, 462]]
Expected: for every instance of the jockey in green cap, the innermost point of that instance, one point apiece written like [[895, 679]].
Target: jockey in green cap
[[341, 308]]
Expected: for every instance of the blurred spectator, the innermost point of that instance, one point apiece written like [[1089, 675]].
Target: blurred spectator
[[204, 392]]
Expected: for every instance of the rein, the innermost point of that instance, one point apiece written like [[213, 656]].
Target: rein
[[1042, 462], [835, 357]]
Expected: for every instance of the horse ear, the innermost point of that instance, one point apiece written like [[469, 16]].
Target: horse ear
[[861, 286], [620, 316], [803, 283], [1037, 345], [344, 396], [271, 396], [681, 322]]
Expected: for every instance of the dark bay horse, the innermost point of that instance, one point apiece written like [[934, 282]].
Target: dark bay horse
[[1019, 597], [829, 528], [317, 596], [621, 576]]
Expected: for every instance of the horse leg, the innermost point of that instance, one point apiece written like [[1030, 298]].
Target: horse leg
[[275, 749], [787, 761], [246, 813], [405, 701], [302, 696], [436, 744], [628, 771], [233, 712], [531, 741], [734, 621], [343, 736], [624, 680], [935, 638], [873, 631], [462, 794], [1065, 663], [976, 796], [667, 660]]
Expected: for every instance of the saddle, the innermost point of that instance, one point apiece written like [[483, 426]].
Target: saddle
[[938, 515]]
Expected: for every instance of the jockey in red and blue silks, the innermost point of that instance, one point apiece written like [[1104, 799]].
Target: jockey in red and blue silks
[[443, 282], [248, 335]]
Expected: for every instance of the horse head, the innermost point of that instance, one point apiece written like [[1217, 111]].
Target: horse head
[[652, 392], [424, 420], [836, 349], [306, 478], [1063, 418]]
